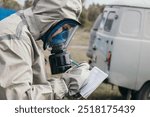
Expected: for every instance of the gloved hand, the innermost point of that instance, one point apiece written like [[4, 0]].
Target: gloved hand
[[75, 78], [59, 87]]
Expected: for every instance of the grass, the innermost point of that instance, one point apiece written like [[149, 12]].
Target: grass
[[106, 92], [81, 38], [79, 45]]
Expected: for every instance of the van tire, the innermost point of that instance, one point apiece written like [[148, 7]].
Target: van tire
[[123, 91], [144, 93]]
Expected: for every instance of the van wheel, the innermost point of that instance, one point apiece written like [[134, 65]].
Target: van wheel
[[144, 93], [123, 91]]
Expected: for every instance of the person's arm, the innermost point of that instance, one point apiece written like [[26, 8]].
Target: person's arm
[[16, 74], [25, 91]]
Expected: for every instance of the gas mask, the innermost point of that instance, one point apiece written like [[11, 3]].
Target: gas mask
[[58, 38]]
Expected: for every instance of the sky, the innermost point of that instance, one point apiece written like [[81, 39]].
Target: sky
[[87, 3]]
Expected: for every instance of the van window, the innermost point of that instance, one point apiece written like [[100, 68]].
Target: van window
[[130, 24], [109, 21]]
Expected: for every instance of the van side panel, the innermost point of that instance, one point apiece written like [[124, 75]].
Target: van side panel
[[144, 67], [124, 64], [126, 49]]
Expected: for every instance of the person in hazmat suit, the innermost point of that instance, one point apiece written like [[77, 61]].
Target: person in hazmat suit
[[22, 66]]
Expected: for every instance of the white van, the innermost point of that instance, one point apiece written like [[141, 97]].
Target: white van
[[122, 46]]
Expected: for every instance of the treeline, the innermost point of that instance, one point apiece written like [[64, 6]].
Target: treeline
[[90, 14], [11, 4]]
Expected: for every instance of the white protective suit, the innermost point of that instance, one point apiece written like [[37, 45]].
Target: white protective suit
[[22, 67]]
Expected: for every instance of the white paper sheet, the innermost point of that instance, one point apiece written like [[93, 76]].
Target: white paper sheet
[[96, 77]]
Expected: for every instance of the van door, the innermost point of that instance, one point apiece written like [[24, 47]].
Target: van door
[[104, 39], [126, 48]]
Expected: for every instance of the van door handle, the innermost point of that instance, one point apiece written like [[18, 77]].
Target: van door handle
[[112, 42]]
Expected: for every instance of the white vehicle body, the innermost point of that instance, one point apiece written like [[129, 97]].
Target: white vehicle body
[[122, 45]]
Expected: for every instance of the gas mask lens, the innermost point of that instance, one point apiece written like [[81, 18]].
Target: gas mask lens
[[66, 27], [58, 37], [61, 35]]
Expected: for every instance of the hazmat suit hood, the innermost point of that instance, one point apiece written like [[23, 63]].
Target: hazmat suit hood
[[41, 16]]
